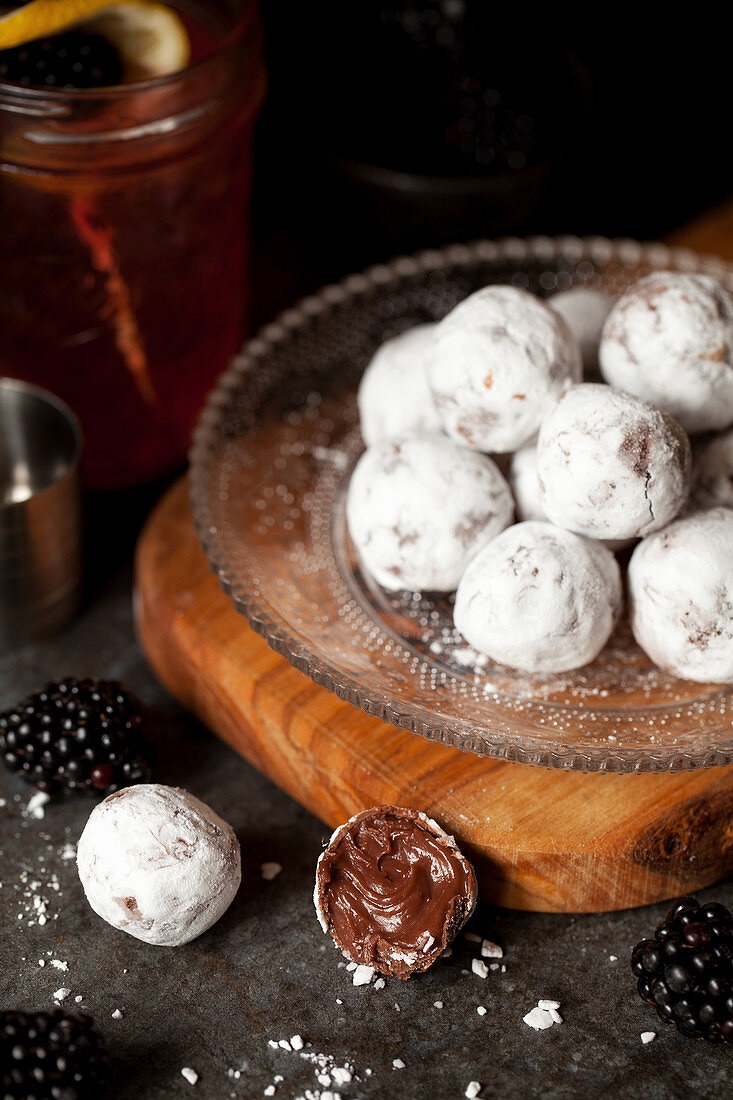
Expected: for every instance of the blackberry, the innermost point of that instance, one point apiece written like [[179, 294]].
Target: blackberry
[[686, 971], [77, 735], [75, 59], [49, 1054]]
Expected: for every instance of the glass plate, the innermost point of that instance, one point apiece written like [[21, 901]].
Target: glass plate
[[269, 467]]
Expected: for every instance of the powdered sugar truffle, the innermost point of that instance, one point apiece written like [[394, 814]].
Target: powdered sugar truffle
[[418, 511], [712, 473], [159, 864], [681, 596], [525, 483], [539, 598], [611, 466], [669, 341], [394, 398], [584, 310], [499, 361]]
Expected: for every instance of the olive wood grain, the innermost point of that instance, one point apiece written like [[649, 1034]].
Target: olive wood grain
[[540, 839]]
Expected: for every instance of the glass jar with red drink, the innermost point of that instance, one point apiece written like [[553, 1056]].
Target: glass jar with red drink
[[123, 241]]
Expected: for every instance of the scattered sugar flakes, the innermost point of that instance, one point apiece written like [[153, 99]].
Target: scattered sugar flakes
[[190, 1074], [61, 994], [613, 958], [481, 1010], [68, 852], [480, 968], [296, 1042], [437, 1004], [363, 974], [117, 1015], [269, 871], [544, 1015], [57, 963], [491, 950], [397, 1063], [538, 1019], [270, 1090], [380, 983], [36, 805], [648, 1037], [78, 999], [473, 1088]]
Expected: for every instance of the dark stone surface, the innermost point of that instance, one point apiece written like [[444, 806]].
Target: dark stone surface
[[266, 971]]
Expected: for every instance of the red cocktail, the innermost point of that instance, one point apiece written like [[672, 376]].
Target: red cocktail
[[124, 242]]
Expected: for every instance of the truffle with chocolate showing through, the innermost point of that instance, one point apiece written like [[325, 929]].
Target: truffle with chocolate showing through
[[393, 890]]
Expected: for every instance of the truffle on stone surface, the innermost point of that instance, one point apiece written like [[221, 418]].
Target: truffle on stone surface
[[159, 864], [393, 889]]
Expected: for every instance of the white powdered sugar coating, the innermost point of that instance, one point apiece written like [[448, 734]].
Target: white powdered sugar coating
[[681, 597], [499, 361], [539, 598], [525, 483], [584, 311], [712, 474], [394, 397], [159, 864], [610, 466], [669, 341], [420, 509]]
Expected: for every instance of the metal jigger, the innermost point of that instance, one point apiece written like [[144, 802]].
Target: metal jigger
[[40, 513]]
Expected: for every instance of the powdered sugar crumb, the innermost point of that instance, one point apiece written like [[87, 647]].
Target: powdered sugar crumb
[[480, 968], [363, 975], [36, 805], [270, 871], [473, 1088], [190, 1074]]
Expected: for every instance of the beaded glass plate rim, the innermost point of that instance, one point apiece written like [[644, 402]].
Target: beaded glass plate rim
[[206, 441]]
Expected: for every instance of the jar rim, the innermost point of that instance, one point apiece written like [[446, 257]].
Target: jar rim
[[232, 40]]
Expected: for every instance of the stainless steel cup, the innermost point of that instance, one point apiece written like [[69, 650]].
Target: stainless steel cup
[[40, 513]]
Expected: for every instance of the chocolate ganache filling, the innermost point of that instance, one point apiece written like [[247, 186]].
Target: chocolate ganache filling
[[393, 890]]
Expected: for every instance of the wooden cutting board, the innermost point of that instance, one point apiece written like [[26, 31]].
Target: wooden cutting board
[[540, 839]]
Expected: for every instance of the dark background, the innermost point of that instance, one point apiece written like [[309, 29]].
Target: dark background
[[620, 123]]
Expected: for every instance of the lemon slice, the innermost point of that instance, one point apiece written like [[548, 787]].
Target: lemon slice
[[149, 37]]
